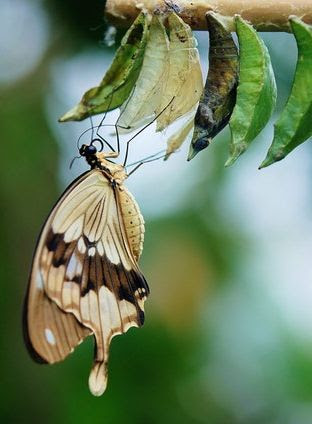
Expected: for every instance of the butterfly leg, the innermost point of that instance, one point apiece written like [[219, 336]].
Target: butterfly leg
[[142, 129], [142, 162]]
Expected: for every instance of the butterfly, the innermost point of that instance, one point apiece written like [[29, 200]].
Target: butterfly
[[85, 278]]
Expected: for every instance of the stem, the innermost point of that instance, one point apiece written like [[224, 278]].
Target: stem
[[264, 15]]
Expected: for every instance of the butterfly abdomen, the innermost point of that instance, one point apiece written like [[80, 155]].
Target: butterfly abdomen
[[133, 220]]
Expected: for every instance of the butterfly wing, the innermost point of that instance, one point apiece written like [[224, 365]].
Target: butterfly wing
[[50, 334], [85, 268]]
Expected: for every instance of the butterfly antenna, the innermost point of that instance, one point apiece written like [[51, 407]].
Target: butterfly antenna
[[99, 136], [73, 160], [98, 140], [115, 125], [105, 114], [92, 127], [120, 115], [142, 129], [81, 135], [125, 107]]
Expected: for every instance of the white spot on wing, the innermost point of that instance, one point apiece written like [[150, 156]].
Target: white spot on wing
[[71, 267], [49, 336], [140, 297], [39, 281], [81, 245], [92, 251]]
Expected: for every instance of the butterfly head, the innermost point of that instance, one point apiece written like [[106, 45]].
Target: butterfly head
[[101, 160], [87, 150]]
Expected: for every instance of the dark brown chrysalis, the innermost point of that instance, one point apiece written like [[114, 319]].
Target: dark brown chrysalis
[[218, 99]]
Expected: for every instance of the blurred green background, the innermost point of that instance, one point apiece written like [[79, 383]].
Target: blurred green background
[[228, 333]]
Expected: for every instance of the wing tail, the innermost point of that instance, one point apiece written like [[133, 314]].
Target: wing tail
[[98, 378]]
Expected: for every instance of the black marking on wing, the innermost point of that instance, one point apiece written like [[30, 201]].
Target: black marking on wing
[[89, 286], [124, 292], [62, 250], [92, 277], [53, 240], [76, 279], [143, 282], [88, 243], [137, 281], [63, 253], [126, 284]]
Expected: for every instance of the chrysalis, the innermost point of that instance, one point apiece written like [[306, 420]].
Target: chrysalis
[[218, 99]]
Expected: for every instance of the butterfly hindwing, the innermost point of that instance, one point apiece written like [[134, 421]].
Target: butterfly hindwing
[[85, 276], [52, 334]]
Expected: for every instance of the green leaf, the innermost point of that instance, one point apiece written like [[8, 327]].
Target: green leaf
[[183, 84], [218, 99], [294, 125], [120, 78], [176, 140], [148, 89], [256, 93]]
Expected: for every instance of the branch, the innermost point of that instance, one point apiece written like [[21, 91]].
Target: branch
[[265, 15]]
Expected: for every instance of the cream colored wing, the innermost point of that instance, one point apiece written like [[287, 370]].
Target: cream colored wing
[[50, 334], [87, 269]]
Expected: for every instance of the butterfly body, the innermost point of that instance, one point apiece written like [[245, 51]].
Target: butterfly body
[[132, 217], [85, 278]]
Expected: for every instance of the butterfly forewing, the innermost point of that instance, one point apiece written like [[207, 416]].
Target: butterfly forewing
[[85, 278]]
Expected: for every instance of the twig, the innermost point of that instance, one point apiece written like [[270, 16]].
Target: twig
[[265, 15]]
